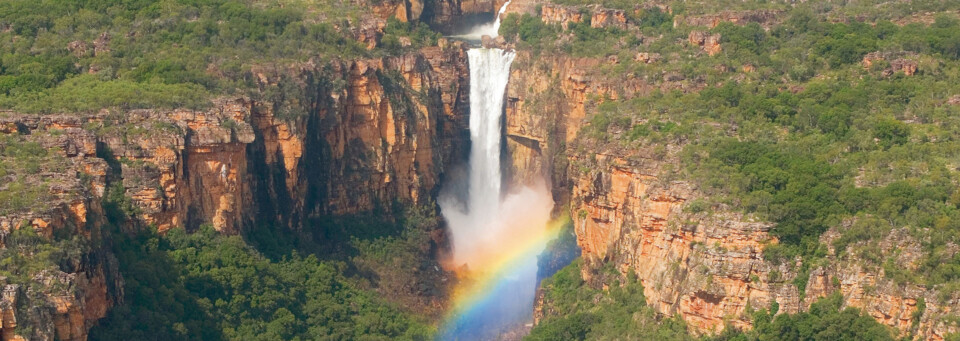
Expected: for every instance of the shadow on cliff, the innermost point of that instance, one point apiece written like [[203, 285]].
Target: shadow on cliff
[[157, 304], [394, 254]]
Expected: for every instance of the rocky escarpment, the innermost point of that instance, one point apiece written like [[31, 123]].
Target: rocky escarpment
[[703, 264], [548, 99], [597, 16], [440, 13], [378, 132], [52, 185], [765, 18], [330, 138]]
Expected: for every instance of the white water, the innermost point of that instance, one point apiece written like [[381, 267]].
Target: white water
[[490, 224], [489, 29], [489, 73], [486, 224]]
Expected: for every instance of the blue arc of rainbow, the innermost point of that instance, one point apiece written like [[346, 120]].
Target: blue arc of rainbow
[[497, 280]]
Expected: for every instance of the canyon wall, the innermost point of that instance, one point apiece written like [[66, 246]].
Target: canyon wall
[[342, 137], [379, 131], [706, 264], [65, 181], [629, 210]]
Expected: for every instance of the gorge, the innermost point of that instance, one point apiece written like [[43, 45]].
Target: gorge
[[273, 170]]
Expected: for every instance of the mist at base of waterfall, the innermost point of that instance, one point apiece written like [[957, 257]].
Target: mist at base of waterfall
[[515, 229], [495, 236]]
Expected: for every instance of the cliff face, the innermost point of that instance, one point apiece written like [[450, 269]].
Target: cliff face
[[548, 99], [440, 13], [369, 133], [447, 10], [599, 17], [59, 300], [703, 264], [380, 131], [708, 266]]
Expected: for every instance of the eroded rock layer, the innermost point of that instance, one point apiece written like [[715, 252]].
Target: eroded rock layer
[[703, 264], [346, 137]]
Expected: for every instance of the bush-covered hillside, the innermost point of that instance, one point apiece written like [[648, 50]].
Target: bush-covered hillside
[[792, 125], [823, 117], [80, 55]]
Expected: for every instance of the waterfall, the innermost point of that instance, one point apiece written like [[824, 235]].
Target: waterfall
[[495, 237], [491, 29], [489, 72]]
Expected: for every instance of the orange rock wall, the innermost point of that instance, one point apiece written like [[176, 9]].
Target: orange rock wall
[[706, 267], [374, 132]]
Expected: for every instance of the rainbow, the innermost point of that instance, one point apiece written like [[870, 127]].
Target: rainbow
[[496, 279]]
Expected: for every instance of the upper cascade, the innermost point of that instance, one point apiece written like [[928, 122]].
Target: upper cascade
[[491, 29]]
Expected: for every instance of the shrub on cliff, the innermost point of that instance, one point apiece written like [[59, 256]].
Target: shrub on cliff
[[575, 311], [825, 320]]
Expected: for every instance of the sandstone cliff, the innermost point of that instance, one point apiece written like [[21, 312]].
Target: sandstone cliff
[[707, 266], [703, 264], [330, 138], [54, 292]]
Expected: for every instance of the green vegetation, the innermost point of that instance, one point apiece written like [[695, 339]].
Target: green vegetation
[[27, 254], [419, 34], [82, 55], [23, 163], [208, 286], [580, 312], [826, 320], [530, 30], [808, 138], [531, 33]]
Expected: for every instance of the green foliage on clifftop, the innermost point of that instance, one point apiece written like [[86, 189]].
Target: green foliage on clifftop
[[825, 320], [809, 124], [575, 311], [82, 55]]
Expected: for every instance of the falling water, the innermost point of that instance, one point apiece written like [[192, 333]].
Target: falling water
[[495, 236], [491, 29], [489, 72]]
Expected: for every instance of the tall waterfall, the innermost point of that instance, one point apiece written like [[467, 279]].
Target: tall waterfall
[[496, 237], [489, 72]]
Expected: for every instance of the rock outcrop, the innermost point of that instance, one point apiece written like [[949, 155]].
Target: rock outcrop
[[708, 268], [377, 132], [710, 43], [344, 137], [65, 182], [766, 18], [897, 62], [703, 264], [599, 17]]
